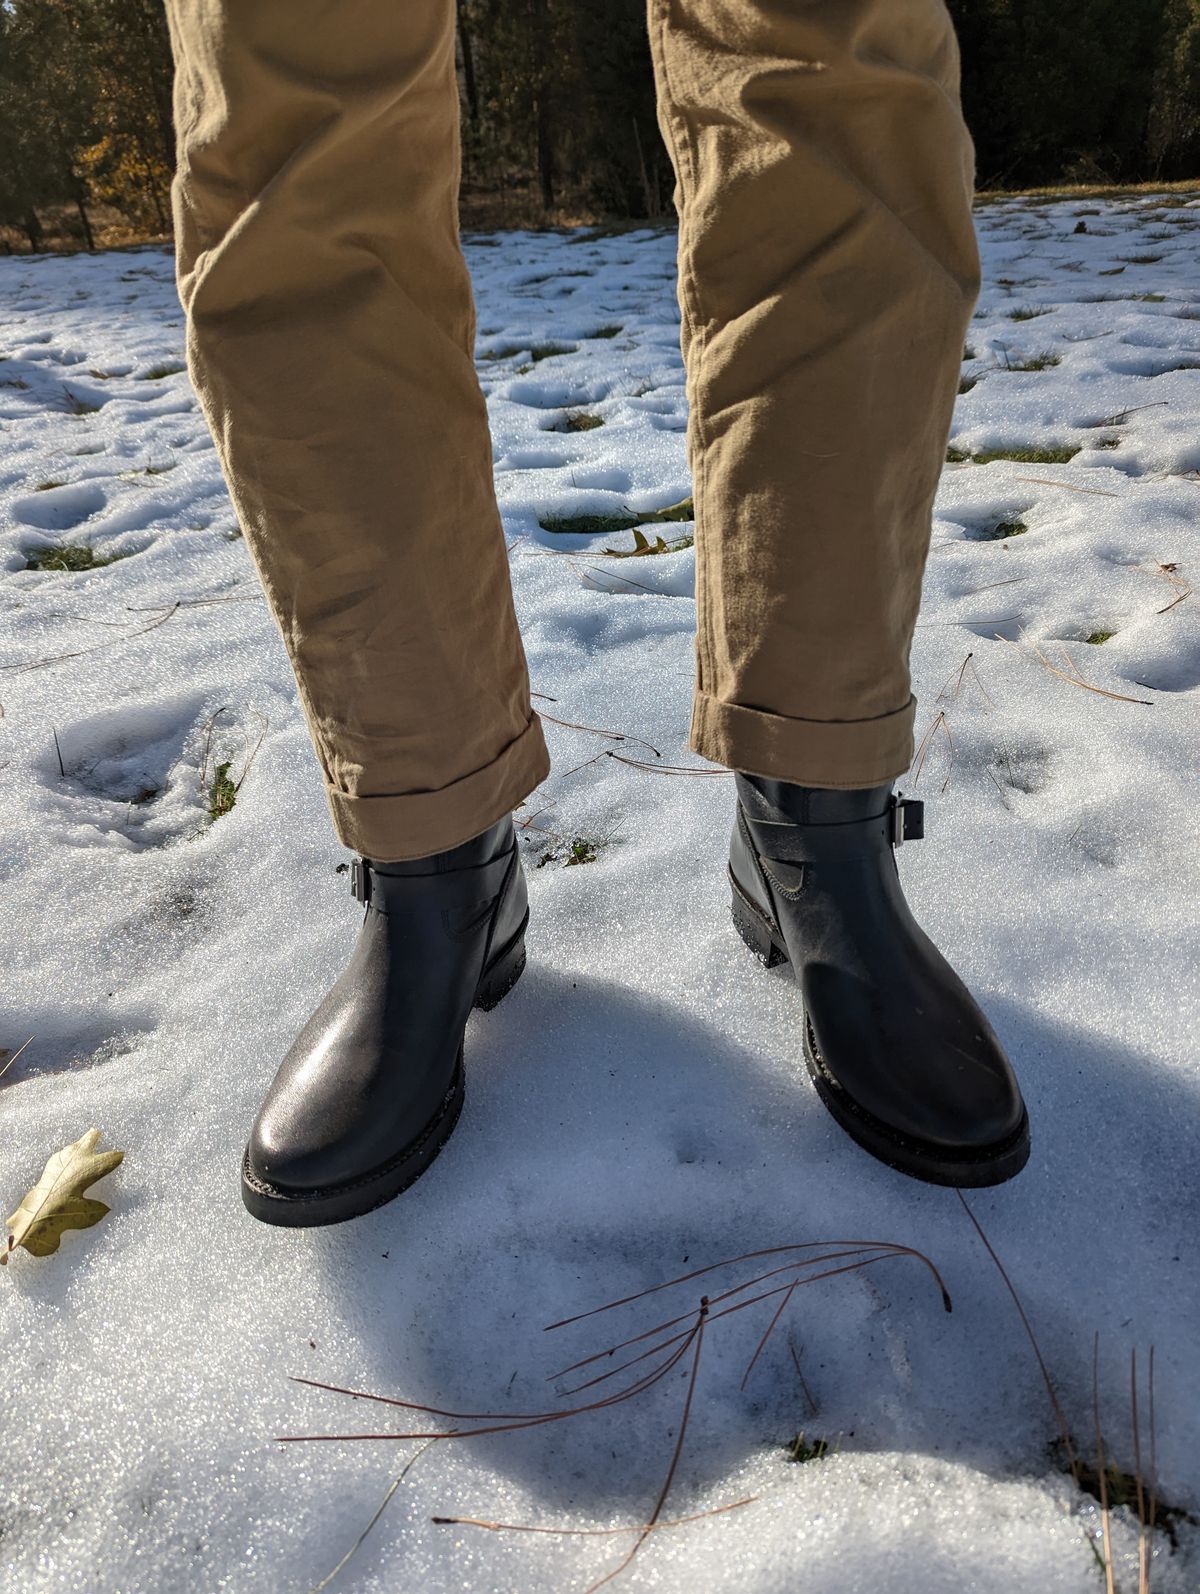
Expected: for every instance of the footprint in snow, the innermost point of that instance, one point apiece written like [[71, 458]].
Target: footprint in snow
[[143, 775], [1160, 364], [651, 404], [60, 508], [533, 459], [1008, 626], [554, 395], [1167, 666], [1026, 768], [606, 478], [66, 1040]]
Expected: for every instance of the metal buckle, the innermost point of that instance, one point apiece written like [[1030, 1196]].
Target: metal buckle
[[360, 884], [897, 824], [908, 820]]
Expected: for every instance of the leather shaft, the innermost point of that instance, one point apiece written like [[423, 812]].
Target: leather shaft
[[893, 1024], [372, 1067]]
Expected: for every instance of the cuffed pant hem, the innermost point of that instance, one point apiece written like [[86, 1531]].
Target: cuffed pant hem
[[838, 754], [393, 829]]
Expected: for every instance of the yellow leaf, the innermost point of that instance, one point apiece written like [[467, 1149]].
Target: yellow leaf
[[57, 1201], [683, 510]]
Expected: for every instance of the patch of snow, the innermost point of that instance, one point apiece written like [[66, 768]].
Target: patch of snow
[[638, 1106]]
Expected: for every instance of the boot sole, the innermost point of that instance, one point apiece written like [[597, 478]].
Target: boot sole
[[337, 1203], [969, 1169]]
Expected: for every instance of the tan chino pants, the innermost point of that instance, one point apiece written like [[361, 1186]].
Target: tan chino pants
[[827, 272]]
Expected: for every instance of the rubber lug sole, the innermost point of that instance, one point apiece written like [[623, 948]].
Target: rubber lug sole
[[338, 1203], [969, 1170]]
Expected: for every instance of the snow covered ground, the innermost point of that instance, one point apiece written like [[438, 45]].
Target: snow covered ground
[[638, 1106]]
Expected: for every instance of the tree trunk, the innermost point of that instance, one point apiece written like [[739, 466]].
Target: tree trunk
[[545, 152], [89, 237], [468, 61], [151, 23], [650, 205], [543, 133], [156, 201], [33, 230]]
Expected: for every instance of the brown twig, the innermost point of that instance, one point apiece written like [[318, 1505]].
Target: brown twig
[[79, 653], [528, 822], [1070, 487], [1170, 573], [1123, 415], [804, 1263], [237, 785], [209, 725], [666, 769], [670, 1322], [659, 1328], [596, 730], [493, 1423], [991, 585], [208, 729], [587, 762], [1153, 1513], [753, 1256], [698, 1336], [67, 614], [383, 1505], [15, 1055], [1075, 679], [197, 603], [959, 676], [1064, 1431], [1101, 1472], [941, 723], [593, 1533], [582, 572], [808, 1394], [769, 1330], [1143, 1540]]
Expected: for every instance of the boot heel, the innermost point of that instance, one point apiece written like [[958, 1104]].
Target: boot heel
[[502, 973], [755, 933]]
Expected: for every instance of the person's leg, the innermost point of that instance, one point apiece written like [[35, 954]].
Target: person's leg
[[330, 329], [828, 268], [330, 334], [827, 272]]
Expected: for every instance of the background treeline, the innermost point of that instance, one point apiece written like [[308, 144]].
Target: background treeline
[[558, 112], [86, 145]]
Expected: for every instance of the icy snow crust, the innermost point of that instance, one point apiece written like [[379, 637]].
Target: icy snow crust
[[638, 1105]]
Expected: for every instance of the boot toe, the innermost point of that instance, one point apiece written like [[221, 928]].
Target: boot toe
[[930, 1074], [286, 1156]]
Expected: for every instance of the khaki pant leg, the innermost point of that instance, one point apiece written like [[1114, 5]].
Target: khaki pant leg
[[330, 331], [827, 272]]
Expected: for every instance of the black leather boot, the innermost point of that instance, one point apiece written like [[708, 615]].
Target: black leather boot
[[896, 1045], [373, 1085]]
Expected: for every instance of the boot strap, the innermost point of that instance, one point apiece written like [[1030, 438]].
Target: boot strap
[[908, 820], [902, 820], [453, 888]]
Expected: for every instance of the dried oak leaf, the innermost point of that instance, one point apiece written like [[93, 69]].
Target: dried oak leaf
[[57, 1201]]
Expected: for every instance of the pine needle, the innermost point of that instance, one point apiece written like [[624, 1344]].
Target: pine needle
[[383, 1505], [15, 1055], [1064, 1431], [591, 1533], [1075, 678], [1101, 1472], [698, 1335]]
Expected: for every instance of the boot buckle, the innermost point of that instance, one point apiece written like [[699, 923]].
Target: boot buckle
[[360, 883], [908, 820]]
